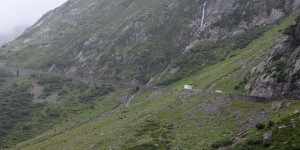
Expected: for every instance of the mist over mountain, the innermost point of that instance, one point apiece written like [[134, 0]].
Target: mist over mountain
[[9, 36], [17, 15]]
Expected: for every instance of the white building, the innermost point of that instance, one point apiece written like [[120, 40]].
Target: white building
[[218, 91], [188, 87]]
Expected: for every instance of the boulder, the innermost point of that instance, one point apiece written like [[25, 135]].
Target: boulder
[[282, 127], [218, 91], [277, 105], [267, 136], [288, 104], [296, 112], [293, 122]]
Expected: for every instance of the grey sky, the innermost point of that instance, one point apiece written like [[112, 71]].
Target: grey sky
[[23, 13]]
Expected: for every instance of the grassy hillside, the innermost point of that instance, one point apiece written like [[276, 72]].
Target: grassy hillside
[[284, 134], [231, 74], [54, 112], [162, 121], [26, 113]]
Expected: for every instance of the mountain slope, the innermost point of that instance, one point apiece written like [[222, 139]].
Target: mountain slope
[[278, 75], [134, 39], [157, 119], [164, 121], [232, 74], [163, 44]]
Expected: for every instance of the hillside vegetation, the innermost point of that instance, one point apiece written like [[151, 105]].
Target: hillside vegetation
[[109, 74], [23, 118], [166, 120], [231, 74]]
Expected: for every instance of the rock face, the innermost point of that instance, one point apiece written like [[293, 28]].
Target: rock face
[[267, 136], [136, 39], [279, 75]]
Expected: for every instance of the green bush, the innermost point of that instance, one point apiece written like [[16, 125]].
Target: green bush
[[160, 135], [7, 124], [243, 41], [52, 84], [291, 30], [96, 92], [254, 141], [15, 107], [169, 80], [45, 80], [149, 127], [271, 123], [147, 146], [53, 112], [260, 126], [222, 143], [3, 132], [27, 127], [267, 144], [281, 70]]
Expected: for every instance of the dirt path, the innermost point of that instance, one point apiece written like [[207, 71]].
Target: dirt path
[[97, 80]]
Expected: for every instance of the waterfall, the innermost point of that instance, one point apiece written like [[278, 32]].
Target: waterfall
[[195, 42], [203, 14]]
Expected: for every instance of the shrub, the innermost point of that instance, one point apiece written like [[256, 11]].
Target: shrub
[[63, 92], [254, 141], [281, 70], [95, 92], [267, 144], [271, 123], [53, 112], [222, 143], [33, 75], [2, 132], [260, 126], [27, 127], [136, 89], [7, 124], [149, 127], [171, 79], [145, 146]]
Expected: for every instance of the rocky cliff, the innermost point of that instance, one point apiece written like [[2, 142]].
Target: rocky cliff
[[135, 39], [279, 75]]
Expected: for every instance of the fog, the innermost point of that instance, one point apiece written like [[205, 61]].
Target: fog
[[17, 15]]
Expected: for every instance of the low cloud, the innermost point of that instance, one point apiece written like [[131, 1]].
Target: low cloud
[[16, 15]]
